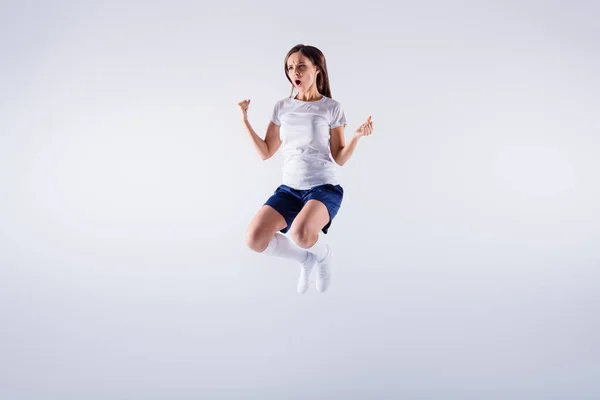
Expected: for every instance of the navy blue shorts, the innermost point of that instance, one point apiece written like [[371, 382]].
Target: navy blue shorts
[[288, 202]]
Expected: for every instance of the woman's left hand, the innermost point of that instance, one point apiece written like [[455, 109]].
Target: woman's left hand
[[365, 129]]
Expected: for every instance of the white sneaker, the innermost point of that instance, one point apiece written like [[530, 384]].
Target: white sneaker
[[306, 268], [324, 271]]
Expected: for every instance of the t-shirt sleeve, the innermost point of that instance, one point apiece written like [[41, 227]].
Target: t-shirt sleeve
[[337, 117], [275, 114]]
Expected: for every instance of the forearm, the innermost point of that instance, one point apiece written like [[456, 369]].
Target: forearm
[[345, 152], [259, 144]]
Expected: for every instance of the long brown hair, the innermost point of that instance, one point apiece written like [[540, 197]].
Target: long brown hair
[[318, 59]]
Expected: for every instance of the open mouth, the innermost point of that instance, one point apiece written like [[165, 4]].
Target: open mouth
[[298, 82]]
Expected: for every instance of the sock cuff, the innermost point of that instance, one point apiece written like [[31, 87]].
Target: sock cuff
[[271, 246], [319, 249]]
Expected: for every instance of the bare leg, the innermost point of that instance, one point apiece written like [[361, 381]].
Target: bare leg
[[263, 226], [263, 236], [305, 232], [307, 225]]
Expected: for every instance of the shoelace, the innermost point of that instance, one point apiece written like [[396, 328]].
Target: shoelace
[[307, 264], [323, 269], [323, 272]]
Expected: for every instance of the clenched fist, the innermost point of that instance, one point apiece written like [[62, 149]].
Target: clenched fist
[[243, 105]]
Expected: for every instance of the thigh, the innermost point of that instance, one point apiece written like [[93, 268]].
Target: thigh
[[267, 221], [331, 197], [263, 226], [311, 219]]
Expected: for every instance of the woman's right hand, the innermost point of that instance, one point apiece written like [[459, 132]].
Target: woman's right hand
[[243, 105]]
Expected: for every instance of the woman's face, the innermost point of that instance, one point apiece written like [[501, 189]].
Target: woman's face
[[301, 72]]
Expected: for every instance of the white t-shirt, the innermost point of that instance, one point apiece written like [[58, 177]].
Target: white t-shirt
[[304, 132]]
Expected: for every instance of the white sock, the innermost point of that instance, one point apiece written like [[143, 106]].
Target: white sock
[[319, 249], [281, 246]]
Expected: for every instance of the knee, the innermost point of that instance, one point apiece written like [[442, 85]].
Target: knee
[[303, 237], [255, 240]]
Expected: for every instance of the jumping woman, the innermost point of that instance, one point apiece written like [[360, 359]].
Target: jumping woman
[[309, 127]]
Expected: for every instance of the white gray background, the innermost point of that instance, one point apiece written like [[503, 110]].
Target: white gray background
[[467, 259]]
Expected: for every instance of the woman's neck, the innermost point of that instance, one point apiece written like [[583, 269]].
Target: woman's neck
[[310, 96]]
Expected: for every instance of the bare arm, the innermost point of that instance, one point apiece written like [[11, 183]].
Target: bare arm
[[267, 147], [340, 151], [272, 139]]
